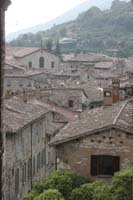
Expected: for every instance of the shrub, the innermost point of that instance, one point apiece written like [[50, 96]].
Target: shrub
[[51, 194], [122, 185]]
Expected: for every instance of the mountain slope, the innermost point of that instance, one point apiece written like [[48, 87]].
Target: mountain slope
[[68, 16], [94, 30]]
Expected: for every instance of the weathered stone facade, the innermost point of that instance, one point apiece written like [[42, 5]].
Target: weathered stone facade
[[23, 147], [33, 58], [29, 127], [76, 154], [3, 6], [72, 98], [98, 143]]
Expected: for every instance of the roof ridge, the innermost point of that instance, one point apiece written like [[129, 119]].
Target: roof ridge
[[118, 114]]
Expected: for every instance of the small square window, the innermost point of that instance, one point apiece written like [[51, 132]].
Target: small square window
[[52, 64], [70, 103]]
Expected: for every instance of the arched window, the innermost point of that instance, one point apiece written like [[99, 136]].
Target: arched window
[[41, 62]]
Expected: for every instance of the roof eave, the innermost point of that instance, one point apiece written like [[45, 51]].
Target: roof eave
[[56, 143]]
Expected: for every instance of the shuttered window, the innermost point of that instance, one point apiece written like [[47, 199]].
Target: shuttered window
[[104, 165]]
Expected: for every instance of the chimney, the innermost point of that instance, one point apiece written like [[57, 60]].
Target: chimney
[[107, 97], [115, 90]]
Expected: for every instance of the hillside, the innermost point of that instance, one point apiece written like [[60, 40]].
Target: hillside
[[67, 16], [109, 31]]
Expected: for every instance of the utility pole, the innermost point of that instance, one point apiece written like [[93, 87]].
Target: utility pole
[[3, 6]]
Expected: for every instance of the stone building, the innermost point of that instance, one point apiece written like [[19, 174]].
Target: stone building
[[71, 98], [3, 7], [29, 127], [13, 69], [32, 58], [99, 143]]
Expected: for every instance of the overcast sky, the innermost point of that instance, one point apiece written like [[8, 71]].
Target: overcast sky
[[26, 13]]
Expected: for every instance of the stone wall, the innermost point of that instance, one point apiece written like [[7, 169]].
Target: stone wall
[[22, 147], [3, 6], [76, 155], [62, 97]]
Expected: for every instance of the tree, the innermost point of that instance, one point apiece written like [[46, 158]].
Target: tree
[[59, 181], [84, 192], [63, 32], [49, 44], [51, 194], [57, 48]]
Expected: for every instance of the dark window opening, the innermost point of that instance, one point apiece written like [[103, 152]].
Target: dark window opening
[[52, 64], [30, 64], [43, 158], [25, 172], [17, 180], [34, 165], [104, 165], [23, 175], [29, 169], [38, 161], [41, 62], [70, 103]]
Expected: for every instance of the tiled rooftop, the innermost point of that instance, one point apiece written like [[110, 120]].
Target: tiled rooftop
[[93, 120], [18, 113]]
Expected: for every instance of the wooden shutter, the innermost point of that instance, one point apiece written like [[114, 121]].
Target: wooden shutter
[[116, 164], [94, 165]]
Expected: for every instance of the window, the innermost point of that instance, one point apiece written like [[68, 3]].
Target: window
[[17, 180], [29, 169], [20, 83], [43, 158], [52, 64], [8, 83], [104, 165], [34, 165], [70, 103], [25, 173], [41, 62], [30, 64], [29, 84], [38, 161]]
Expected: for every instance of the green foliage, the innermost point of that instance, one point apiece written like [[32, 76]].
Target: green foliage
[[101, 191], [31, 195], [77, 180], [122, 184], [67, 185], [51, 194], [84, 192], [60, 181], [92, 191], [95, 31], [49, 44], [37, 190], [57, 48]]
